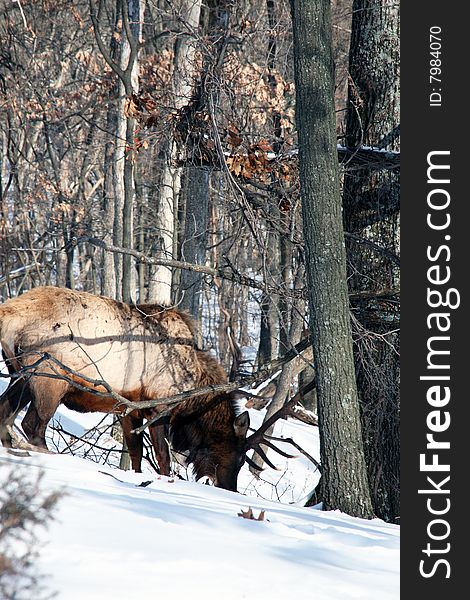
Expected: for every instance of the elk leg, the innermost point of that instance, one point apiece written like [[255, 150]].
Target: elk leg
[[34, 427], [15, 398], [159, 437], [135, 442], [48, 395]]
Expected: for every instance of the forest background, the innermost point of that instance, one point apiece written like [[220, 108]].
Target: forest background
[[149, 152]]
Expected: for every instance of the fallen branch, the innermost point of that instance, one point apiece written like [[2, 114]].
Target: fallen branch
[[82, 438], [257, 377], [169, 402], [302, 414]]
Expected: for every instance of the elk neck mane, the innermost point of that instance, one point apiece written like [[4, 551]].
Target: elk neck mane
[[193, 419]]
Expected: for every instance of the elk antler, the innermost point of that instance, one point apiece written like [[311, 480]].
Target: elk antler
[[258, 437], [253, 464]]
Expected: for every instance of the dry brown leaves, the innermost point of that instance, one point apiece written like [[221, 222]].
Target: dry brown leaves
[[143, 109], [255, 163], [248, 514]]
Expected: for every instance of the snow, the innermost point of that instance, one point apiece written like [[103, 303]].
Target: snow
[[112, 539]]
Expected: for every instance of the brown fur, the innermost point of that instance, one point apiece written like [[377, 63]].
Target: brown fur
[[143, 352]]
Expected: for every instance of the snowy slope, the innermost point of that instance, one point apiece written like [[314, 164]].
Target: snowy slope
[[292, 483], [174, 539]]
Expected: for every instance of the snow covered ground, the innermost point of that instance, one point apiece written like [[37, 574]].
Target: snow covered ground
[[173, 539]]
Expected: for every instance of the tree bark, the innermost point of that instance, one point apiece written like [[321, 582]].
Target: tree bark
[[373, 115], [129, 63], [108, 276], [193, 247], [344, 476], [160, 281]]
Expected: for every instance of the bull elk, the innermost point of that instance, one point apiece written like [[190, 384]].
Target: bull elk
[[58, 343]]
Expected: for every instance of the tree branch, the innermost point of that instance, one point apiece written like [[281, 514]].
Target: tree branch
[[225, 272], [99, 40], [169, 401]]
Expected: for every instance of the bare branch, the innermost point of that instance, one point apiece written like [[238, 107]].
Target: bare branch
[[20, 272], [224, 272], [31, 370], [379, 249], [133, 42], [257, 437], [261, 375], [170, 401], [88, 441], [297, 447], [95, 18], [302, 414]]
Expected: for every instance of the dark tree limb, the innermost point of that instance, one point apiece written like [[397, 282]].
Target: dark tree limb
[[227, 272], [68, 375]]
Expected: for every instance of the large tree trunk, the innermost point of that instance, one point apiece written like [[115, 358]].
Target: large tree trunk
[[108, 276], [194, 243], [129, 63], [160, 281], [372, 120], [344, 474]]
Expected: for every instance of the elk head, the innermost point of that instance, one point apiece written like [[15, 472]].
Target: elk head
[[224, 457], [221, 457]]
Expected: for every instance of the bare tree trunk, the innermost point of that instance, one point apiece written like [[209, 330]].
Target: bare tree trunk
[[372, 120], [110, 261], [269, 310], [131, 13], [193, 247], [141, 204], [126, 125], [118, 177], [129, 64], [265, 347], [285, 266], [160, 280], [344, 473]]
